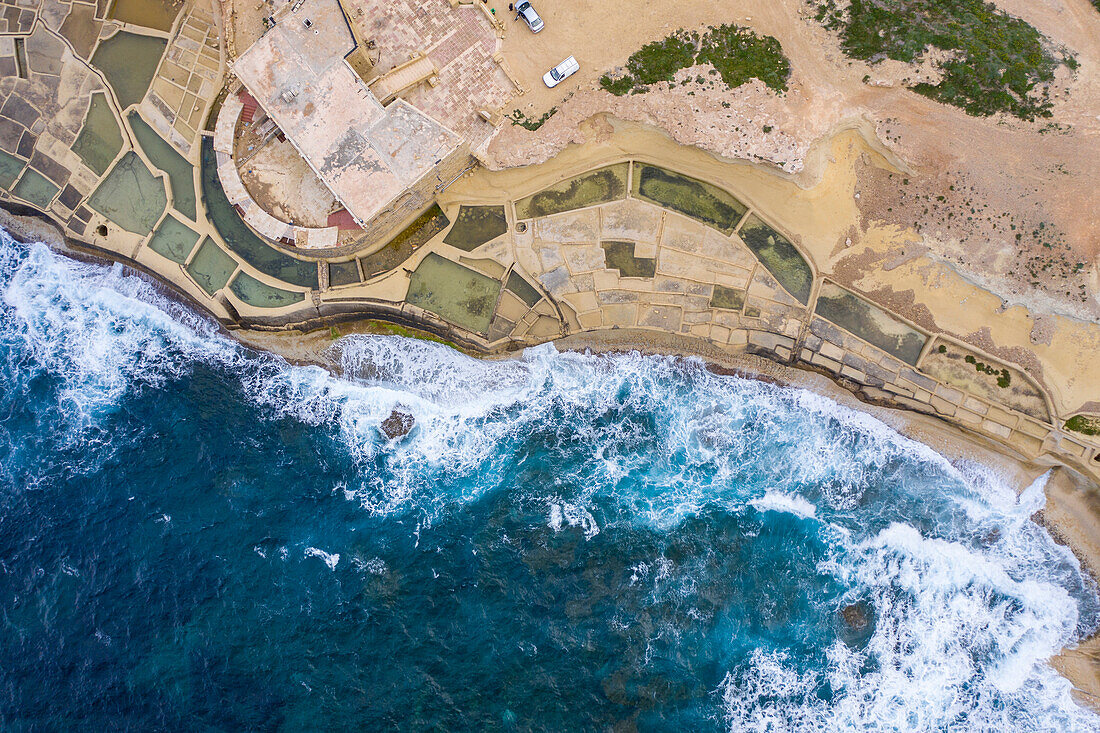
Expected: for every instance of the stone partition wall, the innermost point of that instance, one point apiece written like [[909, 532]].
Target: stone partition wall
[[616, 255], [414, 200]]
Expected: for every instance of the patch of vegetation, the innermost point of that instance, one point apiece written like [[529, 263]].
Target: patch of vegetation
[[1004, 377], [401, 247], [519, 118], [617, 85], [620, 256], [996, 63], [343, 273], [100, 139], [736, 53], [780, 257], [1082, 423], [741, 55], [476, 225], [459, 295], [385, 328], [658, 61], [523, 289], [870, 323], [727, 298], [689, 196], [587, 189]]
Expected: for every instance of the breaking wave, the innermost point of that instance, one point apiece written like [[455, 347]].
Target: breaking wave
[[877, 586]]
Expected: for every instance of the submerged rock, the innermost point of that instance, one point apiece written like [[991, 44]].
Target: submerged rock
[[991, 537], [398, 424], [856, 615]]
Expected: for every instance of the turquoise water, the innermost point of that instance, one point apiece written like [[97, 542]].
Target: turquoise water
[[200, 537]]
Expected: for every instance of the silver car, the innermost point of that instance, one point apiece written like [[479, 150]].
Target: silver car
[[562, 71], [526, 11]]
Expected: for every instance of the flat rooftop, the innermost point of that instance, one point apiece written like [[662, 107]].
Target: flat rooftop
[[365, 153], [460, 41]]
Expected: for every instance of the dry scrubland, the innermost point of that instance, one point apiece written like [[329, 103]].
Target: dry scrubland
[[989, 110]]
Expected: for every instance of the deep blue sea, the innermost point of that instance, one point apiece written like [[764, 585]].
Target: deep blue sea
[[196, 536]]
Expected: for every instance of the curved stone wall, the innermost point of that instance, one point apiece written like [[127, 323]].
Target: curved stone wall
[[266, 225]]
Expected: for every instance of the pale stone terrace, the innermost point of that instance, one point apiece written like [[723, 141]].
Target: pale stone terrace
[[189, 74], [564, 254], [461, 42], [368, 155], [42, 114]]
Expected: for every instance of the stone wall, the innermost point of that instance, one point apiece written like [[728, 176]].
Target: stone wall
[[689, 293], [413, 201]]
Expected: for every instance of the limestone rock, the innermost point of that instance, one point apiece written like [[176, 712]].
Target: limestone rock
[[397, 425], [856, 615]]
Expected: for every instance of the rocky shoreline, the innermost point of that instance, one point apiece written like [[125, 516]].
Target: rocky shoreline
[[1073, 510]]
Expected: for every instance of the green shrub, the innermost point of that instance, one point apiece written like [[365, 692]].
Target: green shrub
[[1084, 425], [519, 118], [741, 55], [617, 86], [660, 60], [736, 53], [998, 63]]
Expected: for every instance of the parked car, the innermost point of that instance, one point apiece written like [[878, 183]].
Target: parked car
[[527, 11], [564, 70]]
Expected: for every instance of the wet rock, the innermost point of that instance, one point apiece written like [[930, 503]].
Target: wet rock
[[398, 424], [856, 615]]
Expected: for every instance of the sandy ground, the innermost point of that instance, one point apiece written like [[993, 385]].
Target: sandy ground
[[1007, 171]]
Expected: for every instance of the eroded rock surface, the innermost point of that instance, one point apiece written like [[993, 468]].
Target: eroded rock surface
[[397, 425]]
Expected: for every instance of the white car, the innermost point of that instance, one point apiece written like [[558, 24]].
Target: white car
[[525, 10], [564, 70]]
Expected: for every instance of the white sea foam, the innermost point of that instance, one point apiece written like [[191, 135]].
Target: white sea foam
[[371, 566], [1033, 498], [572, 515], [962, 630], [104, 333], [774, 501], [100, 331], [959, 644], [331, 559]]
